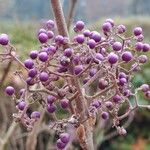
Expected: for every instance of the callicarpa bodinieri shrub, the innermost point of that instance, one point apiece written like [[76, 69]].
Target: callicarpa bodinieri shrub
[[95, 69]]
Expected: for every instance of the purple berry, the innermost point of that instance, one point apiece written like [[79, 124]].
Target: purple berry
[[103, 84], [78, 69], [138, 46], [122, 81], [50, 99], [42, 31], [64, 137], [64, 103], [137, 31], [50, 34], [60, 144], [28, 63], [96, 104], [52, 49], [91, 43], [35, 115], [116, 99], [139, 38], [117, 46], [68, 52], [105, 115], [30, 81], [127, 56], [32, 73], [110, 21], [145, 87], [21, 105], [86, 33], [43, 56], [99, 57], [106, 27], [43, 38], [112, 58], [135, 67], [4, 39], [146, 47], [50, 24], [64, 61], [95, 36], [143, 59], [59, 39], [127, 92], [92, 72], [51, 108], [43, 76], [121, 29], [79, 25], [80, 38], [33, 54], [122, 75], [21, 92], [10, 90], [109, 105]]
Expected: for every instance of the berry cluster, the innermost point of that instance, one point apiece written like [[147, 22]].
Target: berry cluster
[[63, 72]]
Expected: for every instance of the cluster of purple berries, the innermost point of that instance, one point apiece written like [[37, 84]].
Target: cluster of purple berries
[[63, 140], [107, 57]]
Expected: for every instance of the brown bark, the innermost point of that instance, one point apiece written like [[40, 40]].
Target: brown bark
[[81, 104]]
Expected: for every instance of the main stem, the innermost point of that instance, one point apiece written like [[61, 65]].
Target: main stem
[[81, 104]]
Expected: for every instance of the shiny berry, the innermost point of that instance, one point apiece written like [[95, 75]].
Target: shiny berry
[[60, 144], [68, 52], [64, 103], [64, 137], [50, 24], [87, 33], [103, 84], [80, 38], [51, 108], [28, 63], [112, 58], [32, 73], [138, 46], [127, 56], [10, 90], [78, 69], [33, 54], [21, 105], [105, 115], [106, 27], [121, 29], [146, 47], [116, 98], [137, 31], [35, 115], [145, 87], [143, 59], [95, 36], [43, 56], [43, 76], [50, 34], [43, 38], [79, 25], [91, 43], [50, 99], [117, 46], [4, 39]]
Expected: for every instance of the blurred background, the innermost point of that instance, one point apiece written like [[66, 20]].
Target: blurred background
[[21, 19]]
